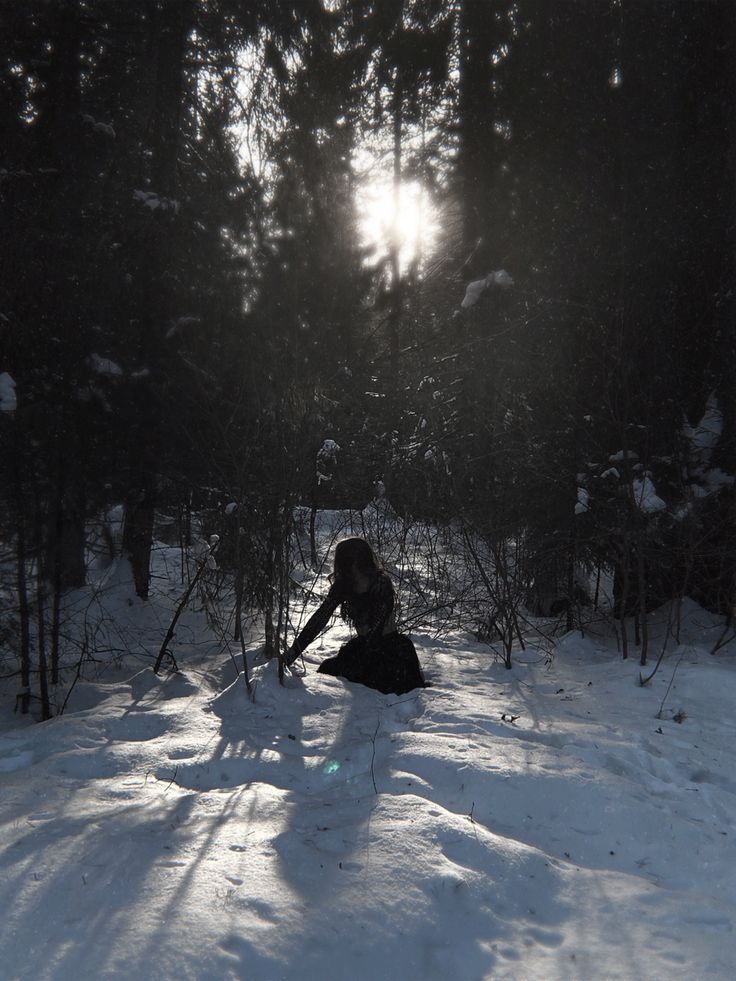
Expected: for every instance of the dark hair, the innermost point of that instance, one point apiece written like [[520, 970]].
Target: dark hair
[[354, 552]]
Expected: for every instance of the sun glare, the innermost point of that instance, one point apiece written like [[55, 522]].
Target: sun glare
[[409, 216]]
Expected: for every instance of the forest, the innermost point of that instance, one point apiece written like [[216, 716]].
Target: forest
[[456, 278], [467, 262]]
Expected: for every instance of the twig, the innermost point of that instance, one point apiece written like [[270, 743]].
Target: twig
[[180, 609], [373, 755], [80, 662], [661, 707], [645, 681]]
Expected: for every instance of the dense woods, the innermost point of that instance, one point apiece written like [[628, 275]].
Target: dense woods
[[192, 319]]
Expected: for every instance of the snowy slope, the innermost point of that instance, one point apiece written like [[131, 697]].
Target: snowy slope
[[531, 825]]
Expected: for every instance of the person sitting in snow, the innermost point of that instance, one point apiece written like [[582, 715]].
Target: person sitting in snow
[[379, 656]]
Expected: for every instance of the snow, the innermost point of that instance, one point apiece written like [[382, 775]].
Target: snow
[[548, 823], [704, 437], [473, 290], [329, 450], [622, 455], [104, 128], [326, 458], [8, 398], [105, 367], [583, 501], [645, 496], [153, 201], [717, 479]]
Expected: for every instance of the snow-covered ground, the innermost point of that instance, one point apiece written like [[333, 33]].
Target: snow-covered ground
[[535, 824]]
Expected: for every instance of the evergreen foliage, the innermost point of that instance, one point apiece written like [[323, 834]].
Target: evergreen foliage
[[188, 309]]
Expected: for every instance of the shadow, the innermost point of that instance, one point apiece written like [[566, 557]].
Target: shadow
[[322, 831], [347, 833]]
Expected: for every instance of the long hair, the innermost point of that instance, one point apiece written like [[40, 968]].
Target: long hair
[[350, 554]]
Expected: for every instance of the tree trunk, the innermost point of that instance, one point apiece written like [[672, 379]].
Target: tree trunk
[[43, 678], [65, 564], [169, 27], [394, 317], [23, 609], [138, 532], [482, 31]]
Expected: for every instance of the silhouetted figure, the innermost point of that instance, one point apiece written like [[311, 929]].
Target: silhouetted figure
[[379, 656]]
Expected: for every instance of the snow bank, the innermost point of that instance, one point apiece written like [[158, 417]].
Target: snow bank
[[549, 823]]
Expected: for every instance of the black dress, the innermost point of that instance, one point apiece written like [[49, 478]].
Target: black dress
[[386, 662]]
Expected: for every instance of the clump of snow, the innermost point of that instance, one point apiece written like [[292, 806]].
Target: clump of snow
[[703, 438], [155, 201], [182, 323], [209, 554], [329, 451], [645, 496], [105, 129], [8, 397], [104, 366], [583, 501], [474, 290], [327, 460], [717, 478], [622, 455], [701, 441]]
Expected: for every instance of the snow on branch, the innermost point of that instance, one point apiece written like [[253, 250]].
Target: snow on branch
[[154, 201], [583, 501], [645, 496], [327, 461], [703, 438], [105, 367], [8, 399], [473, 290], [105, 129]]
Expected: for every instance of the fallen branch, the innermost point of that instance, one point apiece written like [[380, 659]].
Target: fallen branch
[[204, 564]]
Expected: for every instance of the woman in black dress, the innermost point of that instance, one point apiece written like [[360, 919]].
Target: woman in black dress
[[379, 656]]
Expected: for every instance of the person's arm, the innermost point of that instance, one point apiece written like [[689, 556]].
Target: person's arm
[[314, 625], [382, 604]]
